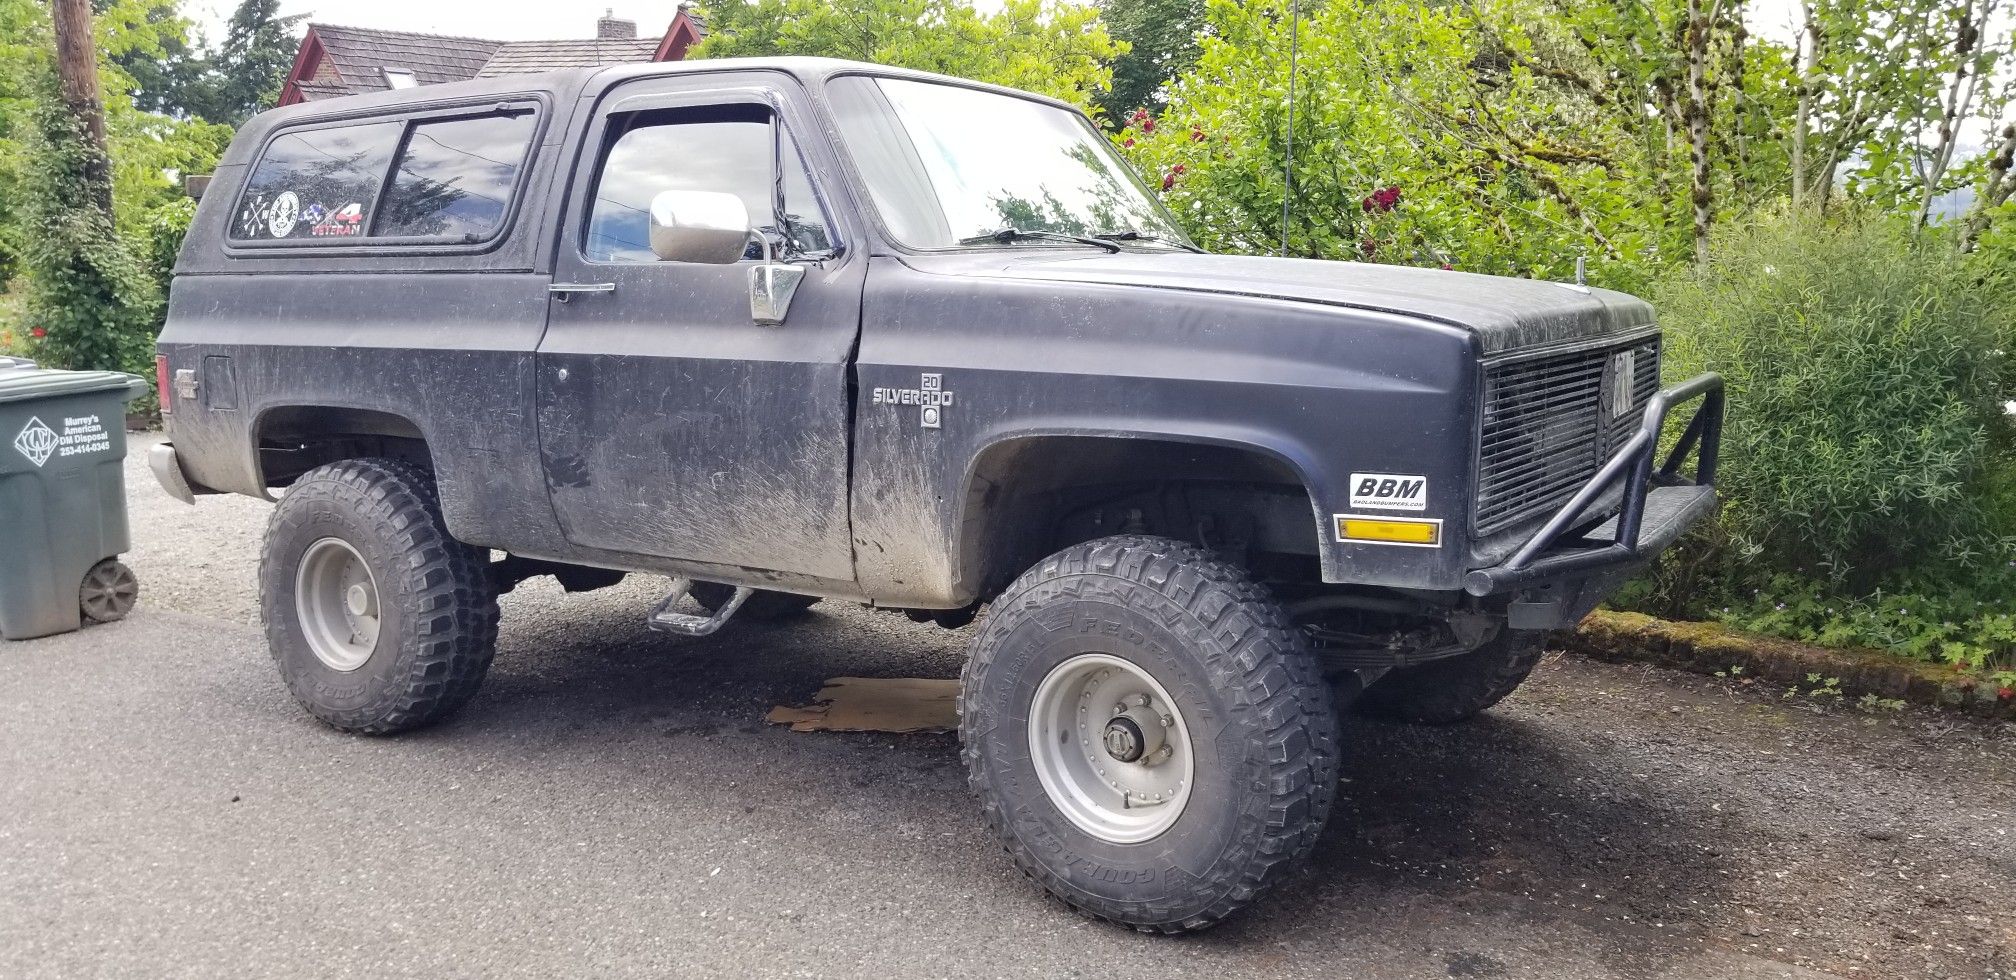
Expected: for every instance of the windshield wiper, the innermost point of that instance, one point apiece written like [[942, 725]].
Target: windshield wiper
[[1130, 235], [1008, 235]]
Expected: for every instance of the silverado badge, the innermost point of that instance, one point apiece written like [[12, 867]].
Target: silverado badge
[[929, 396]]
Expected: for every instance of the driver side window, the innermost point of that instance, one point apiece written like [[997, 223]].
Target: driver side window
[[720, 148]]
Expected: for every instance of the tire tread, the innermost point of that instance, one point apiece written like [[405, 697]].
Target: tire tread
[[1247, 636]]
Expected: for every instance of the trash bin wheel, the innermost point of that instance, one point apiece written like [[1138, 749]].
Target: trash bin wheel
[[109, 592]]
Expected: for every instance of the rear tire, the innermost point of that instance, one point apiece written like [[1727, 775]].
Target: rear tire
[[1444, 692], [764, 604], [1196, 659], [379, 621]]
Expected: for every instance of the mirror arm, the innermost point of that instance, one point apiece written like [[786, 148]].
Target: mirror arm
[[782, 218]]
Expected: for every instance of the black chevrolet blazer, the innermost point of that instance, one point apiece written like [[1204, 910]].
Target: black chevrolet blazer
[[791, 329]]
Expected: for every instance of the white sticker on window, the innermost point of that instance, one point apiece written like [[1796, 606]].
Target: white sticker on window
[[1388, 491]]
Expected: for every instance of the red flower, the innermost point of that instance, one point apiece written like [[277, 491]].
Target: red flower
[[1128, 142], [1446, 267], [1369, 246], [1383, 199], [1196, 135], [2005, 693], [1178, 168], [1139, 114], [1147, 125], [1168, 181], [37, 332]]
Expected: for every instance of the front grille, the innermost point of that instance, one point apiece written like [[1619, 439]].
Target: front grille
[[1548, 427]]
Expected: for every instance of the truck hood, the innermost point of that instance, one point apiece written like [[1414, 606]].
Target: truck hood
[[1503, 313]]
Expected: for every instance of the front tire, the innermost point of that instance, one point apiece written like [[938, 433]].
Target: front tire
[[379, 621], [1445, 692], [1147, 733]]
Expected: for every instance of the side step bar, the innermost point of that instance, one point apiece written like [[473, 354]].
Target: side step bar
[[664, 620]]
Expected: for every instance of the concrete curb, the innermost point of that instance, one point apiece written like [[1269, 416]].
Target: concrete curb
[[1705, 648]]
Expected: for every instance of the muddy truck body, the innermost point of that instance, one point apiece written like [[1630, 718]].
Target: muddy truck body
[[793, 329]]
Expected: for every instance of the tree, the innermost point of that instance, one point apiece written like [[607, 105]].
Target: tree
[[1161, 39], [1426, 135], [249, 70], [89, 295], [1047, 46]]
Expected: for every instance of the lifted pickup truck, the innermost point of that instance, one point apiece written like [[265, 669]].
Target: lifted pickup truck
[[792, 329]]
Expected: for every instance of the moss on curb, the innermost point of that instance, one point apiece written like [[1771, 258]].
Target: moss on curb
[[1705, 648]]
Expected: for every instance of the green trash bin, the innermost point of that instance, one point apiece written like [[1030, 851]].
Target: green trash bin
[[62, 498]]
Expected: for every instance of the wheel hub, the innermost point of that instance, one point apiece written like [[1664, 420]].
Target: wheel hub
[[1110, 748], [1123, 739], [336, 602]]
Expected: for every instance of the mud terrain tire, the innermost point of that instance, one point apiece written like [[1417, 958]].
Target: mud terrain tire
[[1445, 692], [763, 604], [1253, 703], [435, 605]]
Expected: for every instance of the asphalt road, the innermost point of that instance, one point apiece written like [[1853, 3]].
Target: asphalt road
[[613, 804]]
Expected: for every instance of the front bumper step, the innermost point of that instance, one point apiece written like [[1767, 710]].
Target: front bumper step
[[1669, 512], [1658, 506]]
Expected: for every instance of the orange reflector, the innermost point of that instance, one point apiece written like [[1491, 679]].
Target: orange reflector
[[1382, 530]]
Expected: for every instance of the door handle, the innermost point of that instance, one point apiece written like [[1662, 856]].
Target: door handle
[[566, 289]]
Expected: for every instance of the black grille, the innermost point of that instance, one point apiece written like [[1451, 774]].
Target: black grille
[[1547, 428]]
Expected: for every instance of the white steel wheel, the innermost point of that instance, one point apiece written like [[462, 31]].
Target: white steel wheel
[[1110, 748], [336, 600]]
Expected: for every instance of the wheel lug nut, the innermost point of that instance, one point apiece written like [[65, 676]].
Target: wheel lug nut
[[1168, 721]]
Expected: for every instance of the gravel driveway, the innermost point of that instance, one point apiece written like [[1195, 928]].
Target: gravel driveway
[[612, 804]]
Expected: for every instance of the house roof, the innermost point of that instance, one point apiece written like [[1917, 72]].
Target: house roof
[[360, 56], [522, 57], [335, 61]]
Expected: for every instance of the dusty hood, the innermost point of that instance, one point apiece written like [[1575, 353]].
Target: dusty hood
[[1504, 313]]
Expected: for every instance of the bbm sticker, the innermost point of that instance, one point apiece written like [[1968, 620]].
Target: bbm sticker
[[1388, 491]]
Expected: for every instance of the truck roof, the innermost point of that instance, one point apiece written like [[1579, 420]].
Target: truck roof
[[570, 82]]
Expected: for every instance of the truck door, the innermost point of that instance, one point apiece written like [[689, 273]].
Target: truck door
[[671, 424]]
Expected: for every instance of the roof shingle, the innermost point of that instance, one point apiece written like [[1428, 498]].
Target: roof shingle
[[362, 54], [522, 57]]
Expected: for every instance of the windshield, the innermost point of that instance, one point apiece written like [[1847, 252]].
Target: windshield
[[946, 164]]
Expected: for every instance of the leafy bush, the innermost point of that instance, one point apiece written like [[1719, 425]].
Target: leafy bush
[[1867, 370], [90, 298]]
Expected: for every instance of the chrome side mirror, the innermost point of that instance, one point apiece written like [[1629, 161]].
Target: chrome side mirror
[[699, 226], [713, 227]]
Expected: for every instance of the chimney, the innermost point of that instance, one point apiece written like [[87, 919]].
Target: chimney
[[611, 29]]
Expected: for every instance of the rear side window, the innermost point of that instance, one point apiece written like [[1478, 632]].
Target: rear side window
[[454, 178], [316, 183], [451, 181]]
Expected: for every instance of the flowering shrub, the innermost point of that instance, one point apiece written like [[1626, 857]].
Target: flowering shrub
[[1867, 473], [1416, 142]]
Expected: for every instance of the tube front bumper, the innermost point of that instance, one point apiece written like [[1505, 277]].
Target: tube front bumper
[[1658, 505]]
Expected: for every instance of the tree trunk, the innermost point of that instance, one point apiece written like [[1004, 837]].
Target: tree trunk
[[1802, 119], [1958, 103], [1702, 192], [77, 72], [1994, 192]]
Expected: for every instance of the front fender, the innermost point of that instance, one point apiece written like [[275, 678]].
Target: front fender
[[952, 367]]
